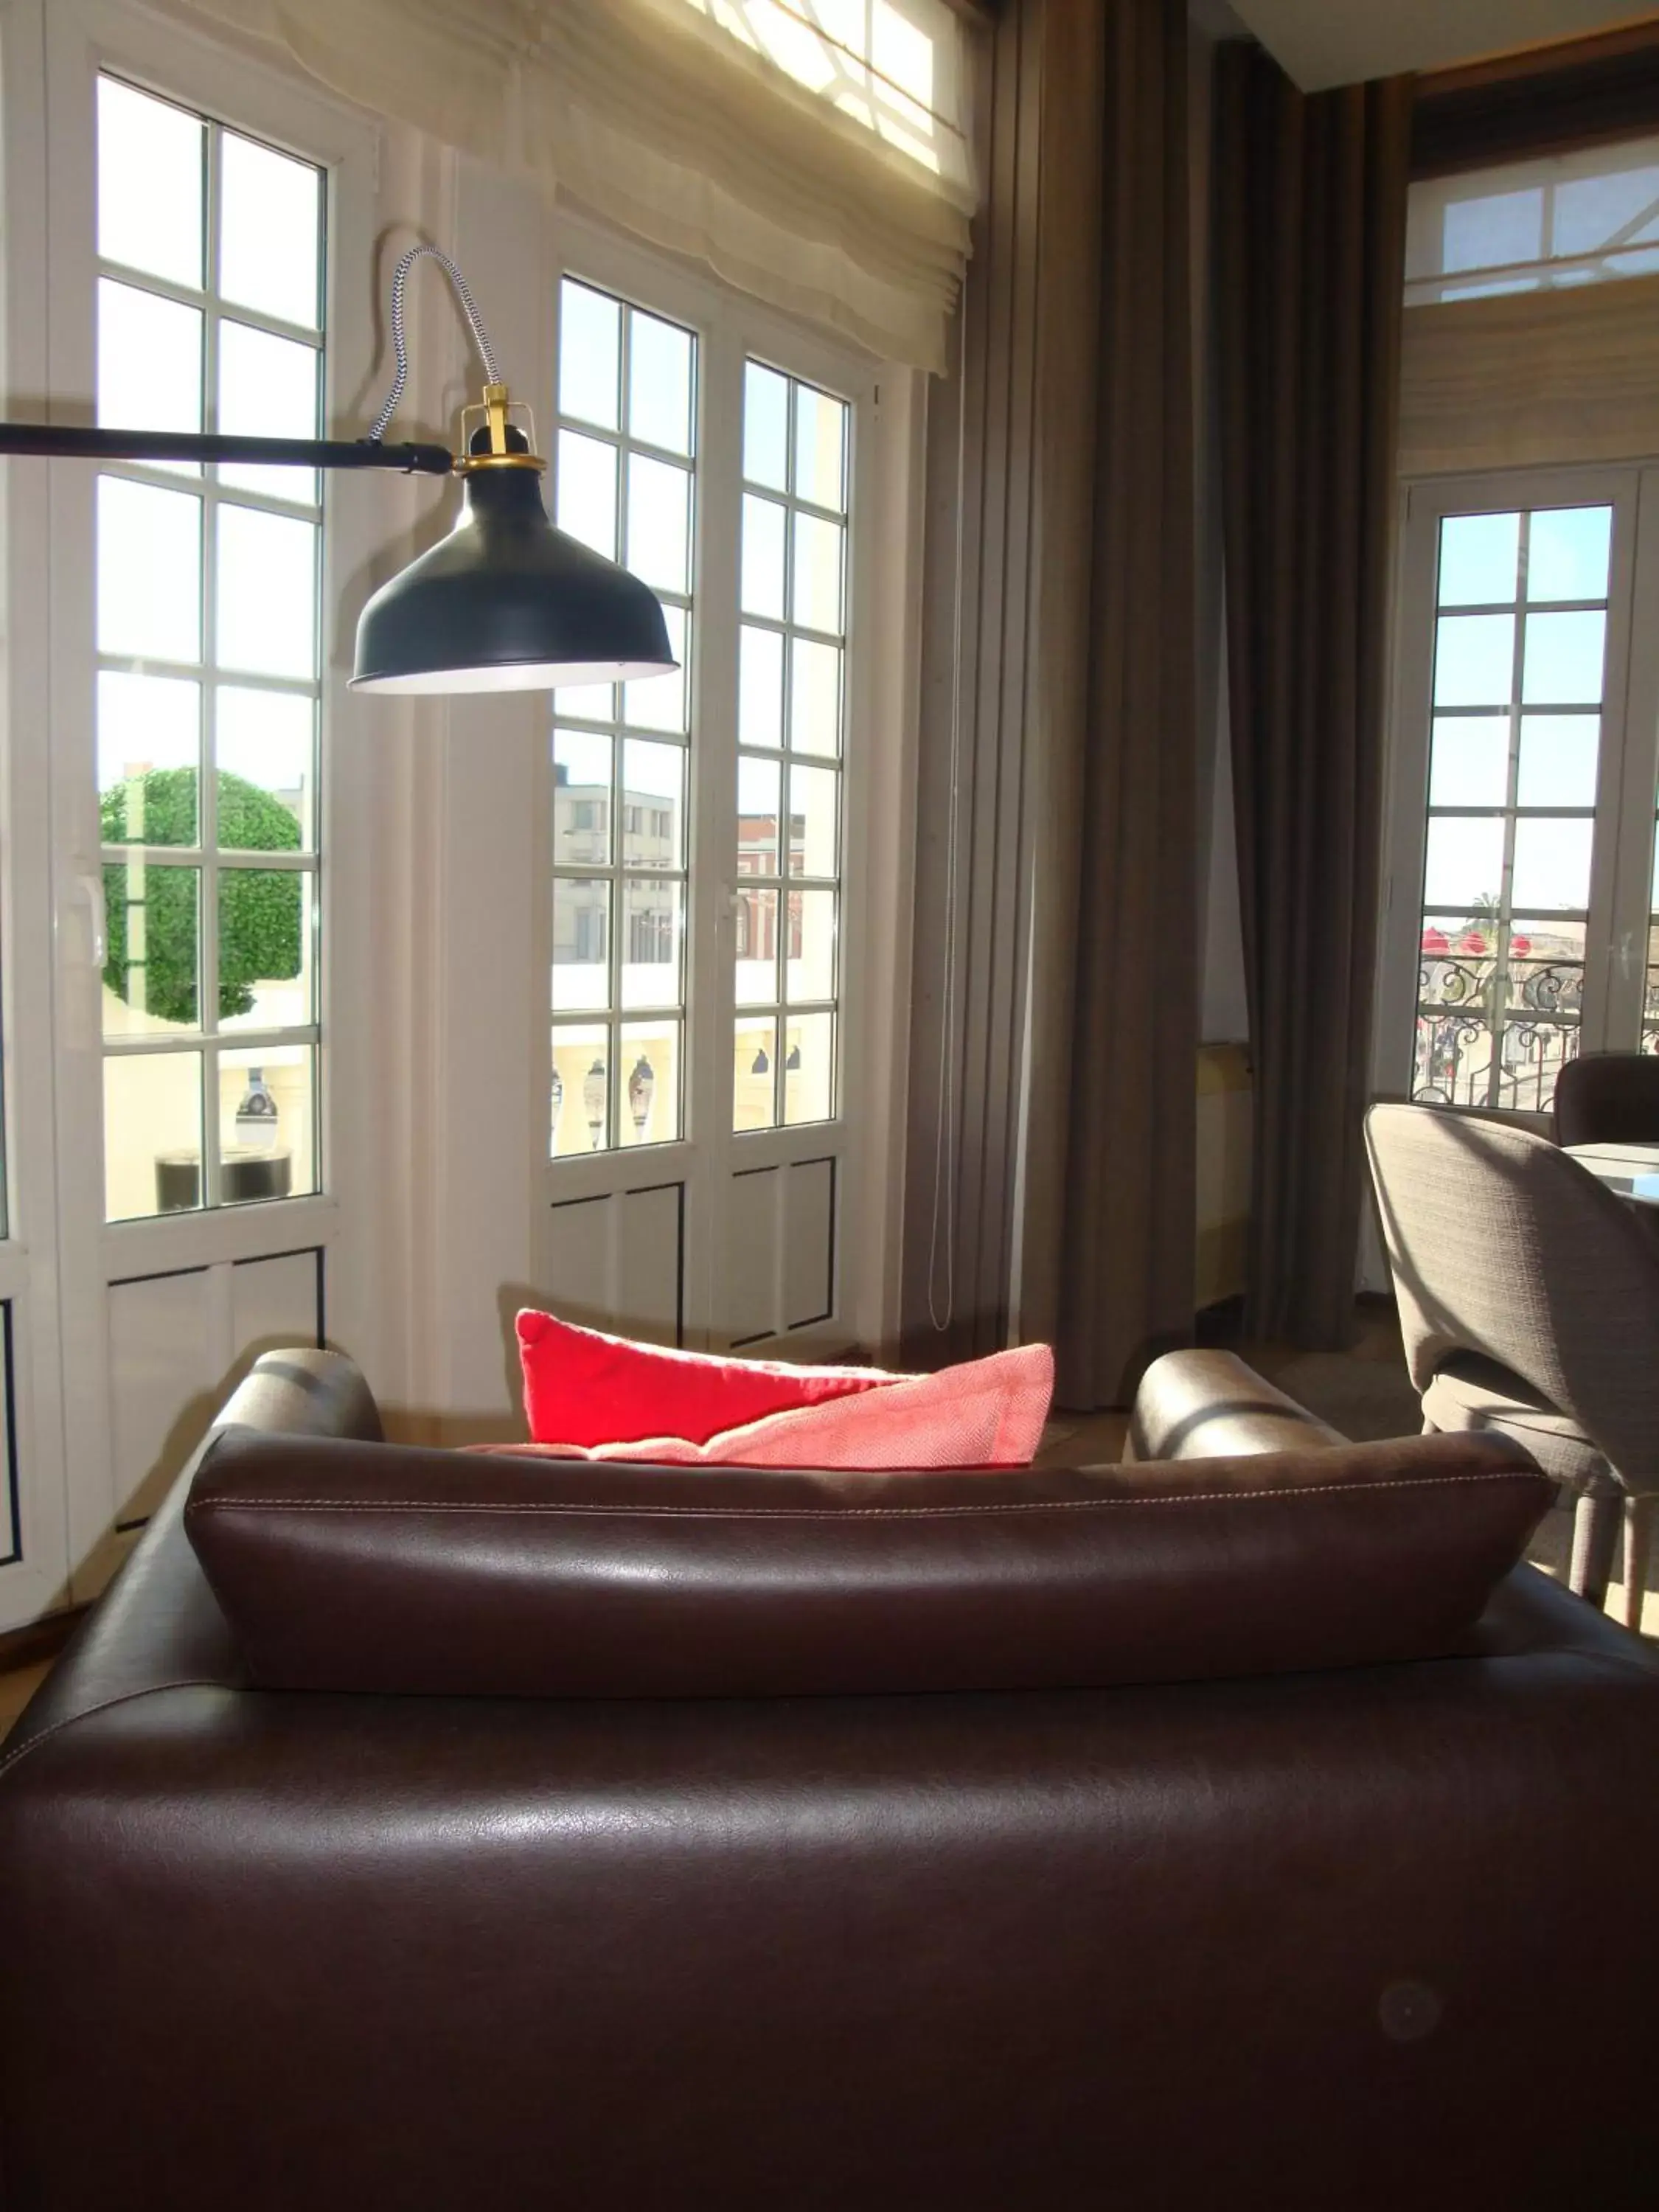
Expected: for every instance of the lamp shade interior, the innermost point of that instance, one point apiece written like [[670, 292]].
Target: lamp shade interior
[[507, 603]]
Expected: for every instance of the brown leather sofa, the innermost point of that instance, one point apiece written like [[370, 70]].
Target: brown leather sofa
[[421, 1830]]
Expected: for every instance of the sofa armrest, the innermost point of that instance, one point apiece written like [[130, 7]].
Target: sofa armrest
[[300, 1391], [1209, 1405], [158, 1625]]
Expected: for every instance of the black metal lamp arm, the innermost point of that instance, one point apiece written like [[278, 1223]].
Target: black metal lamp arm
[[65, 441]]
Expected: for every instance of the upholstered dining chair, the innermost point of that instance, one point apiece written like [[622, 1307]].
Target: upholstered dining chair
[[1608, 1098], [1529, 1303]]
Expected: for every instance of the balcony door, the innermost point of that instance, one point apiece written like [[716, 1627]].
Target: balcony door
[[168, 1207], [710, 973], [1522, 924]]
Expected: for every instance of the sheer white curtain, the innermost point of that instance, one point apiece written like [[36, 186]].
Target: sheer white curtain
[[812, 152]]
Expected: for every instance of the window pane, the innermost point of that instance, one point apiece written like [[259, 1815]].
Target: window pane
[[1568, 555], [659, 703], [650, 1060], [765, 427], [814, 821], [152, 1133], [754, 1072], [581, 797], [1479, 555], [1546, 966], [267, 592], [809, 1067], [814, 696], [150, 974], [149, 737], [267, 1124], [658, 523], [587, 491], [590, 352], [660, 383], [270, 231], [1559, 760], [758, 805], [1474, 660], [267, 932], [1453, 1060], [1551, 863], [1494, 230], [818, 573], [1563, 664], [653, 917], [1464, 863], [581, 946], [266, 743], [580, 1089], [1531, 1055], [149, 571], [762, 557], [1456, 958], [820, 449], [757, 975], [149, 364], [760, 688], [149, 184], [267, 388], [809, 967], [586, 702], [654, 778], [1469, 763]]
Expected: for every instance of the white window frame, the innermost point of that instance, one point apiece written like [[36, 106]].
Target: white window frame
[[83, 38], [878, 797], [1616, 933]]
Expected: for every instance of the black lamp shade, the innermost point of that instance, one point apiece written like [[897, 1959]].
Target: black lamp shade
[[507, 603]]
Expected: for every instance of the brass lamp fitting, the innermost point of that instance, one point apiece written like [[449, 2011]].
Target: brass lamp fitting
[[491, 445]]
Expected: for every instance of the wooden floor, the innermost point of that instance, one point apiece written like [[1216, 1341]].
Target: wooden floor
[[16, 1689]]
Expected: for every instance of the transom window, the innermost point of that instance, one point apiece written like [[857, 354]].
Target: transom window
[[626, 477], [209, 315], [791, 716], [1576, 218]]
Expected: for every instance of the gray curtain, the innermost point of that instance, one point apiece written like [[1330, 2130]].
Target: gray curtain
[[1310, 234], [1076, 961]]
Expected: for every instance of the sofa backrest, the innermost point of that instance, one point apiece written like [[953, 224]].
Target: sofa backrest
[[344, 1565]]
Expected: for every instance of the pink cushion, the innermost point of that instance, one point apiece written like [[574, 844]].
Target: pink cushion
[[581, 1386], [984, 1414]]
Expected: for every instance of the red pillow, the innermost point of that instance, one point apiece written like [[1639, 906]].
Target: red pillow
[[583, 1388], [985, 1413]]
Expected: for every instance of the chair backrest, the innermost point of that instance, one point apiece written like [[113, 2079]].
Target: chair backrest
[[1608, 1098], [1502, 1245]]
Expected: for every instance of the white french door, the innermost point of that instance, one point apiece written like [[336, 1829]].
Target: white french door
[[711, 986], [168, 811], [1521, 927]]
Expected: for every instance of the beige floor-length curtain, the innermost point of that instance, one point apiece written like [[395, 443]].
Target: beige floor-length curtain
[[1310, 218], [1076, 796]]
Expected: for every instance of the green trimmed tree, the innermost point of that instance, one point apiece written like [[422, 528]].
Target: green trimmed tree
[[260, 911]]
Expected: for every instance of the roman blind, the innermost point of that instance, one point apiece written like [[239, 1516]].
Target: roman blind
[[1531, 332], [813, 153]]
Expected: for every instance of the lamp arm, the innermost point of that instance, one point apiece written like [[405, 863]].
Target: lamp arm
[[469, 307], [66, 440]]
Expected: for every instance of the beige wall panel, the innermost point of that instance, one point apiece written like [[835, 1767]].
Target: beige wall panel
[[164, 1382]]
